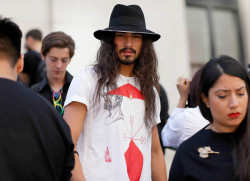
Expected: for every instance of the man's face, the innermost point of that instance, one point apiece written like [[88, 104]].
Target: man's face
[[28, 43], [128, 47], [57, 60]]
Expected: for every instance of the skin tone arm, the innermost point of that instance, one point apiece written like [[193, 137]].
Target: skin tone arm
[[74, 114], [183, 86], [158, 166]]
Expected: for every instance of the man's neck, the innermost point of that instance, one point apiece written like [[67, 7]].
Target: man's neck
[[7, 71], [36, 47], [56, 84], [127, 70]]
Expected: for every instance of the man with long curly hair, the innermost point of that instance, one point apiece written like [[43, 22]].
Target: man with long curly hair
[[113, 108]]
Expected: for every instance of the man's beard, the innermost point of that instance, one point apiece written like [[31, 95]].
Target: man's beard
[[127, 61]]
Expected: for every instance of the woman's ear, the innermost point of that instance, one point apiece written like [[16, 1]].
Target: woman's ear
[[205, 100]]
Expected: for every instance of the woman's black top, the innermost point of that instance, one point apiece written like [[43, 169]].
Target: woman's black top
[[189, 165]]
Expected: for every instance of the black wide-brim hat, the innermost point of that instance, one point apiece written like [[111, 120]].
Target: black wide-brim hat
[[127, 19]]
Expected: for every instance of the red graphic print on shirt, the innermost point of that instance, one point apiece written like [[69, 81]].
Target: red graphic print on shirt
[[107, 156], [134, 160], [126, 90], [133, 155]]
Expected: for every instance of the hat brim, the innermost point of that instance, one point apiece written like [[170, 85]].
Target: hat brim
[[100, 34]]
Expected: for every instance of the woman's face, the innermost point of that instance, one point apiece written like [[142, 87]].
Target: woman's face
[[227, 101]]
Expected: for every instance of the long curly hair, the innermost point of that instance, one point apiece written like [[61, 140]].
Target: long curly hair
[[107, 68]]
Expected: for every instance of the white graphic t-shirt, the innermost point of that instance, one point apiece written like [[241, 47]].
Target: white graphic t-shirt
[[115, 144]]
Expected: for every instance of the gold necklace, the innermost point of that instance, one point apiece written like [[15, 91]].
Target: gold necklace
[[130, 94]]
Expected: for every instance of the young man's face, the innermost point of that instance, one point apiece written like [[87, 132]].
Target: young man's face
[[128, 47], [57, 60]]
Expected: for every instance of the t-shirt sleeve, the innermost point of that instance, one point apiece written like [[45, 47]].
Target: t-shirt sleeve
[[79, 91]]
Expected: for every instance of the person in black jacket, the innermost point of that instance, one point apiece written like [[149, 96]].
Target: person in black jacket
[[57, 51], [35, 140], [34, 67]]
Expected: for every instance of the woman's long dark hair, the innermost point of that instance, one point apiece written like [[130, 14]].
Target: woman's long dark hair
[[107, 68], [210, 74], [194, 97]]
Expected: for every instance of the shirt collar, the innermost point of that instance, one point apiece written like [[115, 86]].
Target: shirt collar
[[45, 83]]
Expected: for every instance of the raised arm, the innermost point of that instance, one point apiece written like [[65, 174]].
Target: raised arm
[[183, 86], [173, 130], [74, 114], [158, 166]]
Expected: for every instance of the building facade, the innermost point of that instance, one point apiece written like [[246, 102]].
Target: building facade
[[192, 31]]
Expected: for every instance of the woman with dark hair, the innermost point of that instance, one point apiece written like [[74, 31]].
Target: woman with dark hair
[[185, 120], [221, 150]]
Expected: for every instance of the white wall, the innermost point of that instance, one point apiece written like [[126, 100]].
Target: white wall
[[80, 18], [27, 14], [165, 17]]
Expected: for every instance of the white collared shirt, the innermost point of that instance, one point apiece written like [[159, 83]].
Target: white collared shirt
[[182, 124]]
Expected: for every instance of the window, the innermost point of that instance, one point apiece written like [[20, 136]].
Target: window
[[213, 29]]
